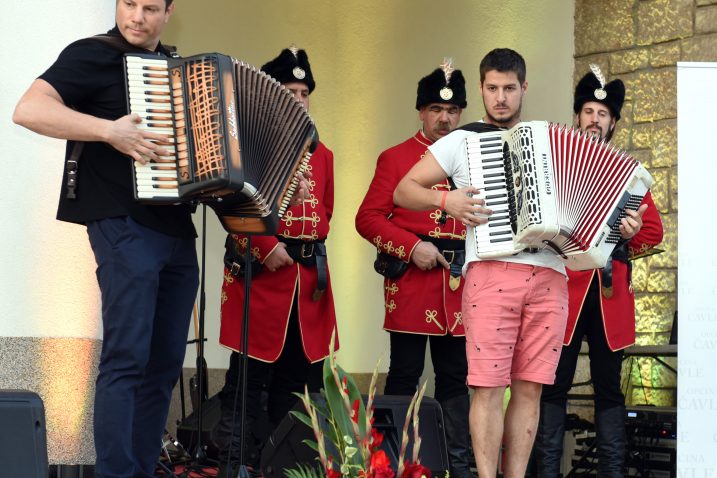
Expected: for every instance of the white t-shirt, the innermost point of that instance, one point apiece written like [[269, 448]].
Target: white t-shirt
[[450, 152]]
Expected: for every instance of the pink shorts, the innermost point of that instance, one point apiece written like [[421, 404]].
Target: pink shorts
[[515, 317]]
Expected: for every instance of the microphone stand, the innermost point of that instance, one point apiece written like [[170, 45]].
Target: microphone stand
[[242, 389], [199, 455], [243, 471]]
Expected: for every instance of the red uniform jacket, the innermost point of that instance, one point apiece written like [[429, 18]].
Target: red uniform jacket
[[272, 293], [419, 301], [618, 311]]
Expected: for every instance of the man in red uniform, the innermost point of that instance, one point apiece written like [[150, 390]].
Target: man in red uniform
[[291, 311], [601, 308], [421, 254]]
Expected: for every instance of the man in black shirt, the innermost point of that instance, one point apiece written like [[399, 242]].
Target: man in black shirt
[[146, 257]]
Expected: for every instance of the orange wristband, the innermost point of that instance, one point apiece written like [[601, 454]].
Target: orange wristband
[[443, 200]]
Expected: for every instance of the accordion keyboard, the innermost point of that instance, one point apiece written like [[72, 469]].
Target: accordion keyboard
[[150, 97], [486, 172]]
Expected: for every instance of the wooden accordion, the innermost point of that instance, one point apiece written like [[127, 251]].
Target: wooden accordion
[[237, 137], [554, 187]]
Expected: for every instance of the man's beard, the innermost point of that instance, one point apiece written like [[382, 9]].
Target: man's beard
[[504, 121], [599, 134]]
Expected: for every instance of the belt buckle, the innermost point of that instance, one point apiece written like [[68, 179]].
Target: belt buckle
[[453, 256], [235, 269], [304, 254]]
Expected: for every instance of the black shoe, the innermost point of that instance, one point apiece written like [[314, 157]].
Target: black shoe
[[548, 446], [455, 421]]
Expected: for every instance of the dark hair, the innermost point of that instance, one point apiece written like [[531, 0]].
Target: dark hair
[[167, 3], [503, 60]]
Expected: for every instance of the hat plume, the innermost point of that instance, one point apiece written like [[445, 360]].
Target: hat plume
[[598, 74]]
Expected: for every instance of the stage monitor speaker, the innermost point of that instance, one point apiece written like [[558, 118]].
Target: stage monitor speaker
[[23, 443], [211, 414], [285, 447], [187, 430]]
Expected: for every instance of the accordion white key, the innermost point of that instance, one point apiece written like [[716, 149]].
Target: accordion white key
[[238, 137], [552, 187]]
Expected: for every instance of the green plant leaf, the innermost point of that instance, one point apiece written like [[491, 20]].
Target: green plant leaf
[[302, 417], [338, 406], [311, 444], [303, 470]]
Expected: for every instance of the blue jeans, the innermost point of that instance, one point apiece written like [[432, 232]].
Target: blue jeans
[[148, 283]]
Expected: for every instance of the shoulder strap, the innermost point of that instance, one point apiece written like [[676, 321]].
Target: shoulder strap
[[115, 41], [119, 43]]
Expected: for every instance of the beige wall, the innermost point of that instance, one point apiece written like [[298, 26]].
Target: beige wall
[[367, 57]]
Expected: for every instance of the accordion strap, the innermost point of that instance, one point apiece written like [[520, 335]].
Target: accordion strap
[[71, 170], [480, 127]]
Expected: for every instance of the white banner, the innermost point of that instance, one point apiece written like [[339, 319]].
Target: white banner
[[697, 260]]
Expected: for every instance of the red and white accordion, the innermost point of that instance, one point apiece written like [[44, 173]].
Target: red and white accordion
[[553, 187], [239, 137]]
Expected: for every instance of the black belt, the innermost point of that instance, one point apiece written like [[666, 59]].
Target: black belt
[[235, 262], [312, 254], [618, 254], [453, 250]]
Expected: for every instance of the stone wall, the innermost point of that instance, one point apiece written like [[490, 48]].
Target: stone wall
[[640, 42]]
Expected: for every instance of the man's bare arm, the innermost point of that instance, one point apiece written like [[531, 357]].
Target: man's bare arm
[[414, 192], [42, 110]]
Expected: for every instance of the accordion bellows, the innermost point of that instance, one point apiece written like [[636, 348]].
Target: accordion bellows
[[237, 136], [553, 187]]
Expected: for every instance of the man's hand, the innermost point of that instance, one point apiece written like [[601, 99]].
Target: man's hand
[[302, 189], [427, 256], [470, 211], [631, 225], [278, 258], [141, 146]]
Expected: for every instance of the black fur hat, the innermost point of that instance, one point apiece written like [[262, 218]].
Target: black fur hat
[[292, 65], [592, 87], [443, 85]]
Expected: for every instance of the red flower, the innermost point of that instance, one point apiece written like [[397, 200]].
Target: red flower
[[381, 465], [331, 473], [415, 470], [344, 385], [355, 411], [376, 439]]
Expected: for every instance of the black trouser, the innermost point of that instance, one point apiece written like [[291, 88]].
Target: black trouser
[[605, 368], [448, 355], [605, 365], [408, 352], [282, 378]]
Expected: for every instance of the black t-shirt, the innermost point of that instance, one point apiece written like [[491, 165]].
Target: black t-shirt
[[89, 76]]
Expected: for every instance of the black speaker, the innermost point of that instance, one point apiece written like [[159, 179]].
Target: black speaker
[[285, 449], [23, 443], [187, 430]]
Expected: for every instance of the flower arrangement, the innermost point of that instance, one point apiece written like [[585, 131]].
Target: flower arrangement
[[348, 446]]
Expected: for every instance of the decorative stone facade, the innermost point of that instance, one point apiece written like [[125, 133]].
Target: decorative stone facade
[[640, 42]]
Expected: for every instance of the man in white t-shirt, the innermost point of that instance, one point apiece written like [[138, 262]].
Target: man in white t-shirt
[[514, 308]]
